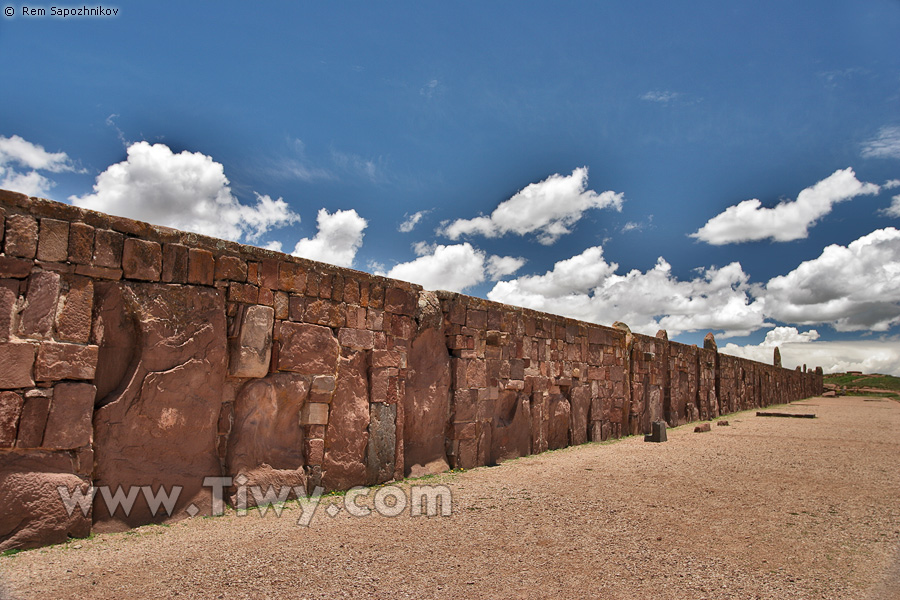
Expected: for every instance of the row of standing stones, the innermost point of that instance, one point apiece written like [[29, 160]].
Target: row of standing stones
[[139, 356]]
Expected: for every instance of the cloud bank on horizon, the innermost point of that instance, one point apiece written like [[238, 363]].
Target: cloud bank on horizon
[[853, 287]]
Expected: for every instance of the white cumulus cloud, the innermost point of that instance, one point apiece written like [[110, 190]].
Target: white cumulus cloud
[[411, 221], [894, 209], [186, 191], [749, 220], [885, 145], [588, 287], [853, 288], [439, 267], [338, 239], [548, 208], [783, 338], [21, 163], [501, 266]]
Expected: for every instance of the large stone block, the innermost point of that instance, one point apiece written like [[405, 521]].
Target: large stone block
[[9, 294], [108, 249], [159, 421], [266, 428], [53, 243], [141, 259], [250, 352], [16, 365], [426, 404], [33, 514], [347, 436], [73, 317], [71, 413], [175, 263], [39, 312], [33, 420], [511, 435], [309, 349], [201, 266], [81, 243], [10, 411], [56, 360], [21, 236], [381, 455]]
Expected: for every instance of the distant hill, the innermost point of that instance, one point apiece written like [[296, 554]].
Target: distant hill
[[858, 384]]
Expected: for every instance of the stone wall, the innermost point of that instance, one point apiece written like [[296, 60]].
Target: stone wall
[[143, 357]]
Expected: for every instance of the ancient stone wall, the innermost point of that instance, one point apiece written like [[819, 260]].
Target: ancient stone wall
[[140, 357]]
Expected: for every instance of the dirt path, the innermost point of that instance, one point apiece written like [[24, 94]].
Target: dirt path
[[762, 508]]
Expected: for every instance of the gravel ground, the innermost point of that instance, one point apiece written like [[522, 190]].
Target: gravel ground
[[761, 508]]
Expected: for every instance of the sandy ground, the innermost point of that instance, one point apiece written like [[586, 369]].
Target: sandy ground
[[762, 508]]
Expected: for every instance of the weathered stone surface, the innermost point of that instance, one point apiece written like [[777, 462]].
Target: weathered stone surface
[[21, 236], [511, 435], [15, 267], [201, 266], [400, 301], [115, 330], [580, 404], [356, 339], [141, 259], [250, 352], [231, 268], [16, 365], [382, 447], [266, 428], [427, 402], [74, 310], [57, 361], [33, 514], [71, 411], [53, 243], [160, 425], [39, 312], [10, 410], [9, 294], [33, 420], [702, 428], [175, 263], [315, 413], [108, 249], [81, 243], [558, 422], [347, 435], [309, 349], [322, 388]]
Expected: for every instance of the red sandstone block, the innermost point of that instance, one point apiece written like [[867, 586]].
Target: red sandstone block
[[326, 281], [174, 263], [314, 414], [374, 319], [81, 243], [364, 294], [281, 305], [98, 272], [73, 318], [243, 292], [356, 339], [253, 273], [266, 297], [40, 305], [201, 266], [33, 419], [108, 246], [458, 369], [387, 358], [296, 307], [322, 388], [21, 236], [9, 294], [71, 411], [476, 374], [315, 451], [400, 301], [268, 273], [305, 348], [476, 319], [337, 288], [16, 365], [141, 259], [10, 410], [325, 312], [402, 326], [312, 284], [15, 267], [291, 278], [356, 317], [463, 431], [351, 291], [376, 296], [53, 242], [384, 385], [231, 268], [57, 361]]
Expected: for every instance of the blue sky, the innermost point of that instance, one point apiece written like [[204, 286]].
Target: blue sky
[[728, 167]]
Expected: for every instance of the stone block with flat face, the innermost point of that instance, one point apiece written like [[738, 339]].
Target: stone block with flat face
[[250, 351]]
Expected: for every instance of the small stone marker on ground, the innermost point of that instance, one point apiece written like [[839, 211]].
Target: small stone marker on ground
[[702, 428], [657, 432]]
